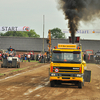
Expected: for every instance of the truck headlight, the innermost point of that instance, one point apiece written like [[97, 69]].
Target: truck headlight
[[78, 75], [52, 74]]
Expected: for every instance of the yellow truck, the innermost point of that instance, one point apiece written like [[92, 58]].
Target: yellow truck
[[67, 66]]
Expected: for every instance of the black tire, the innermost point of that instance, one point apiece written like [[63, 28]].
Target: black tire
[[36, 57], [76, 83], [52, 83], [58, 83], [6, 67], [44, 60], [1, 65], [33, 57], [18, 66], [80, 84]]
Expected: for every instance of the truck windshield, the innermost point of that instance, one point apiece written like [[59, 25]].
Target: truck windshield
[[66, 57]]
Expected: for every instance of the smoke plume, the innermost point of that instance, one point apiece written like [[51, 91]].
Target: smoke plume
[[79, 10]]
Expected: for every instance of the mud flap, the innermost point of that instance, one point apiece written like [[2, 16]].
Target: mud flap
[[14, 63], [87, 76], [4, 62]]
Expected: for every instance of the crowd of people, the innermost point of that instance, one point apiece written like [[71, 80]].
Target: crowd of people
[[26, 56], [21, 57]]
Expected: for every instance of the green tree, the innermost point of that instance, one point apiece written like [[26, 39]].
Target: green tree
[[57, 33], [30, 33], [1, 34]]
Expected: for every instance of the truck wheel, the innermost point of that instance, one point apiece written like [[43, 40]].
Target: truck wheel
[[18, 66], [76, 83], [1, 65], [58, 82], [52, 83], [6, 67], [44, 59], [80, 84]]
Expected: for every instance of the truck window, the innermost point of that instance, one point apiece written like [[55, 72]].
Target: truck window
[[66, 57], [89, 52]]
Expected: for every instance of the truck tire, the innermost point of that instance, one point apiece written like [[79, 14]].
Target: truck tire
[[1, 59], [80, 84], [18, 66], [58, 83], [52, 83], [6, 67], [1, 65], [33, 58], [44, 60], [36, 57]]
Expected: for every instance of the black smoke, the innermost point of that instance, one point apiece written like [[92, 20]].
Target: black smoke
[[79, 10]]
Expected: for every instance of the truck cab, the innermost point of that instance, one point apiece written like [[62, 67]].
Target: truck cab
[[89, 56], [97, 57], [67, 65]]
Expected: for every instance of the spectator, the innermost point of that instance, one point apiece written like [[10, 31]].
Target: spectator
[[3, 56], [19, 56], [0, 56], [6, 55], [10, 55], [25, 57], [28, 56]]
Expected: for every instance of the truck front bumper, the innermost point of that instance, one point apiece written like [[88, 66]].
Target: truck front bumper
[[66, 77]]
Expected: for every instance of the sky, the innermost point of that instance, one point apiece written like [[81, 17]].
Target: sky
[[30, 13]]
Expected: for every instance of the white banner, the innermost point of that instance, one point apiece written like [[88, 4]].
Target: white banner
[[83, 31], [14, 28]]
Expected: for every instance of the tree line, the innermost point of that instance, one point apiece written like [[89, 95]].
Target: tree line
[[55, 33]]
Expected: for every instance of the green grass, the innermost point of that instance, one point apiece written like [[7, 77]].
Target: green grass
[[1, 74], [24, 67], [18, 69], [30, 61]]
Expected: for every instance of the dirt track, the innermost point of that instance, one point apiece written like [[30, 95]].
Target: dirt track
[[34, 85]]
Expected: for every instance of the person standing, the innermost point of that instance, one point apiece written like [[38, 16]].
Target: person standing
[[19, 56], [25, 57], [28, 56]]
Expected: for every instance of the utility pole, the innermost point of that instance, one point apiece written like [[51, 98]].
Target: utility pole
[[43, 32]]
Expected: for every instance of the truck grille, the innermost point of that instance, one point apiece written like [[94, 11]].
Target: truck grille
[[68, 69]]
